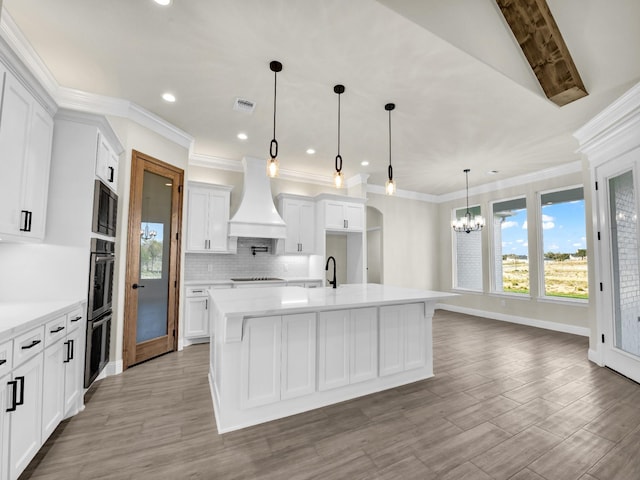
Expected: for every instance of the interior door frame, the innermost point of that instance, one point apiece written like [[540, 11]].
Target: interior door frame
[[609, 354], [140, 162]]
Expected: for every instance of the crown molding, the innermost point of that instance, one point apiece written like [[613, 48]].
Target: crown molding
[[565, 169], [358, 179], [408, 194]]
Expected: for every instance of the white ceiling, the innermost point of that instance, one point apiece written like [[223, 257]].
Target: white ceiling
[[465, 95]]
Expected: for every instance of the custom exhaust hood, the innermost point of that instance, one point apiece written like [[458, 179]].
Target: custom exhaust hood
[[257, 215]]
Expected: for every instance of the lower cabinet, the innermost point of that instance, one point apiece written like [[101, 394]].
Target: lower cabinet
[[277, 358], [196, 317], [4, 428], [25, 417], [402, 338], [347, 347]]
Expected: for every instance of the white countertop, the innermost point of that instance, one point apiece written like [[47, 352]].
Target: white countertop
[[190, 283], [284, 300], [17, 317]]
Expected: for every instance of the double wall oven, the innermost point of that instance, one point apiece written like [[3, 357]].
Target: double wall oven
[[101, 273]]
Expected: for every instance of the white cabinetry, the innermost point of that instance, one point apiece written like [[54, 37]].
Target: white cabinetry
[[208, 218], [26, 130], [348, 346], [343, 215], [402, 334], [278, 359], [299, 215], [106, 163], [42, 373], [196, 313]]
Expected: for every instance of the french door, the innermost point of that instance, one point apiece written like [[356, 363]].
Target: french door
[[619, 254], [153, 259]]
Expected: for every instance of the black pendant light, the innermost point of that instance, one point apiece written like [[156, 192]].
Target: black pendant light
[[390, 185], [467, 224], [338, 176], [272, 165]]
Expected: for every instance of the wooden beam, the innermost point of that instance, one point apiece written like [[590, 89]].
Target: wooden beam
[[539, 37]]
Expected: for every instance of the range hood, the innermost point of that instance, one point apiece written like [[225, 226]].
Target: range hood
[[257, 215]]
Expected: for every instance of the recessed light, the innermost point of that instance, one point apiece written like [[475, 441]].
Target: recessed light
[[364, 163], [242, 136], [164, 3], [310, 151], [168, 97]]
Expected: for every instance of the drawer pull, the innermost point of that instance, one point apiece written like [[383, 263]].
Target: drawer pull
[[59, 329], [75, 319], [197, 291], [2, 361], [33, 344]]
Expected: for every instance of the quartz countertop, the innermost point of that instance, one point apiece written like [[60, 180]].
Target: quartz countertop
[[17, 317], [284, 300], [190, 283]]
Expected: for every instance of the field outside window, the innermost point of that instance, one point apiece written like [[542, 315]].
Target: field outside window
[[511, 247], [564, 244]]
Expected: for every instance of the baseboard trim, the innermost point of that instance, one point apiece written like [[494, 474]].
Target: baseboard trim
[[113, 368], [531, 322]]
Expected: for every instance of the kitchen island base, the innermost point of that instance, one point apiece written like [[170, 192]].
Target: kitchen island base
[[283, 351]]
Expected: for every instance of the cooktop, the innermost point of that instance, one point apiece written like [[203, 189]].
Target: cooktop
[[257, 279]]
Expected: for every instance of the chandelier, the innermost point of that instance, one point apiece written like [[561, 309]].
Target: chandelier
[[467, 224], [147, 234]]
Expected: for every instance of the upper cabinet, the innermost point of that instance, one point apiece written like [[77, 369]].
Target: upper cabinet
[[299, 214], [208, 218], [26, 131], [341, 213], [106, 163]]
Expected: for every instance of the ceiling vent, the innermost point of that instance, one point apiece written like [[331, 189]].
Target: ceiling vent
[[242, 105]]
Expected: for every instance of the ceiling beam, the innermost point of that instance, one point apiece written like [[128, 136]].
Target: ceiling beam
[[542, 44]]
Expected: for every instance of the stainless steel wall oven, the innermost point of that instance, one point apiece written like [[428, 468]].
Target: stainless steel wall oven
[[101, 271]]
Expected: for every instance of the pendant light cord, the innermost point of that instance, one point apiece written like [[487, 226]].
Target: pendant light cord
[[390, 167], [275, 94]]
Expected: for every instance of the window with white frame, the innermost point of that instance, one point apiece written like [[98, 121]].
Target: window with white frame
[[467, 251], [510, 246], [564, 247]]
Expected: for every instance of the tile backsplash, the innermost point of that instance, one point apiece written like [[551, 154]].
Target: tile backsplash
[[210, 266]]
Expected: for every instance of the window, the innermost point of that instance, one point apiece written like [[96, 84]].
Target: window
[[467, 251], [564, 244], [511, 247], [151, 250]]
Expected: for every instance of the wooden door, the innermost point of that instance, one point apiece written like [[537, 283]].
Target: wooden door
[[153, 259]]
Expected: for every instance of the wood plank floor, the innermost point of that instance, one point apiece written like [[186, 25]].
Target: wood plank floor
[[507, 402]]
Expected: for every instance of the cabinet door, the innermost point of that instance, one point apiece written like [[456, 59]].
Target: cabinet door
[[106, 163], [354, 214], [334, 216], [415, 340], [53, 387], [364, 345], [5, 389], [196, 322], [197, 219], [14, 129], [298, 355], [291, 216], [306, 227], [26, 420], [260, 362], [391, 340], [218, 220], [74, 371], [333, 346], [36, 170]]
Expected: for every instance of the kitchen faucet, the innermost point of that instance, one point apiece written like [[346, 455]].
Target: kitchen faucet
[[333, 282]]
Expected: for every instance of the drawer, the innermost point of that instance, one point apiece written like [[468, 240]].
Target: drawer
[[55, 330], [198, 291], [28, 345], [6, 357], [75, 318]]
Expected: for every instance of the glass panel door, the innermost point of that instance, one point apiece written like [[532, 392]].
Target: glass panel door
[[155, 229]]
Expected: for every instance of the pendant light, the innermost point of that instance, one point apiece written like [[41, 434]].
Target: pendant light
[[467, 224], [390, 185], [338, 176], [272, 165]]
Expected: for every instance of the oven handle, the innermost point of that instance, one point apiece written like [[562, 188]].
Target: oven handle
[[108, 258], [99, 323]]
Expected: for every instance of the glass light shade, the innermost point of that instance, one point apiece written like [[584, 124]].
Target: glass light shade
[[479, 221], [338, 179], [390, 187], [273, 168]]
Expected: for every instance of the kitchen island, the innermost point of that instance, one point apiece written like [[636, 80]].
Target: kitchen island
[[278, 351]]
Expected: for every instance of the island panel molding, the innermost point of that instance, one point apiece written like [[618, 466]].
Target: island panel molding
[[279, 351]]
